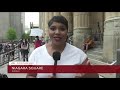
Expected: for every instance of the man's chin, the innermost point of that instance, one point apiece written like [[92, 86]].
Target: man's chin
[[57, 43]]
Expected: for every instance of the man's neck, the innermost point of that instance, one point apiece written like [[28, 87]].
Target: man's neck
[[59, 48]]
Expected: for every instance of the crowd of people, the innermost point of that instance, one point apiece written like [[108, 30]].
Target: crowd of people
[[7, 47], [23, 45]]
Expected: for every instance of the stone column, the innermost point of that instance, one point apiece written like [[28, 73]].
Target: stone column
[[42, 23], [81, 27], [47, 17], [46, 25], [111, 36], [56, 13], [40, 19], [69, 17], [51, 15]]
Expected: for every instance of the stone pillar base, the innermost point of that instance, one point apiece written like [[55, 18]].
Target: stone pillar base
[[79, 36]]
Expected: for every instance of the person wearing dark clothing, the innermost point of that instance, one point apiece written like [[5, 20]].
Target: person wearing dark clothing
[[13, 50], [19, 46], [25, 47]]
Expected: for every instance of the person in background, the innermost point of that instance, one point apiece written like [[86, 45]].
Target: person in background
[[88, 43], [12, 47], [37, 42], [19, 46], [25, 51], [43, 40]]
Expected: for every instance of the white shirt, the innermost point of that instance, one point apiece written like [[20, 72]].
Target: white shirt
[[71, 55]]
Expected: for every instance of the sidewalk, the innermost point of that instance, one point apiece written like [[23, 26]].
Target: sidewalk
[[3, 69]]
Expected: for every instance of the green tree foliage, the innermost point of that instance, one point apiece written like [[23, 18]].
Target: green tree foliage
[[11, 34], [26, 35]]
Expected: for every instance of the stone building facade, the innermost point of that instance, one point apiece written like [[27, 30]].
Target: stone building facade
[[11, 19], [105, 25]]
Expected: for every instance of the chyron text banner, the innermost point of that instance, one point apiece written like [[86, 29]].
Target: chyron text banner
[[64, 69]]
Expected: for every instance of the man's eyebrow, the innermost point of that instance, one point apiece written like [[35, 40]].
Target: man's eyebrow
[[52, 26]]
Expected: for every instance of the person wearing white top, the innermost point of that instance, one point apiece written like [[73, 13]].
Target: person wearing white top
[[70, 55]]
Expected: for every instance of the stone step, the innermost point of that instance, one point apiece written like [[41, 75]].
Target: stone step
[[96, 49], [95, 57], [107, 75], [103, 75], [100, 53], [97, 62], [96, 54]]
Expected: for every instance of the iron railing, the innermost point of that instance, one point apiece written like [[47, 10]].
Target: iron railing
[[6, 57]]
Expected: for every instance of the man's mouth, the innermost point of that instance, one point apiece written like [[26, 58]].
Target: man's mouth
[[57, 38]]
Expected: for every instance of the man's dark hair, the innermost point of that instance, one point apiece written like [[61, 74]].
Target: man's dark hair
[[37, 37], [59, 19]]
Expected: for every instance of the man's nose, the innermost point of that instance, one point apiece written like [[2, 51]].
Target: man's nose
[[57, 31]]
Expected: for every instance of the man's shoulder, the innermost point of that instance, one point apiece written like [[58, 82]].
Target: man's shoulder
[[77, 52], [74, 48], [41, 48]]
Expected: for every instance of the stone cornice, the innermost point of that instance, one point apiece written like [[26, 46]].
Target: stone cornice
[[112, 18]]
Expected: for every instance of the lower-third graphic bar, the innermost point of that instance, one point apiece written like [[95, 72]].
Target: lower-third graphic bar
[[64, 69]]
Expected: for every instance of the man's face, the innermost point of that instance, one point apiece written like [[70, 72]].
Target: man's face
[[58, 33]]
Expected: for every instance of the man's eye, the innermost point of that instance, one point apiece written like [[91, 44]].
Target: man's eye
[[62, 29], [52, 29]]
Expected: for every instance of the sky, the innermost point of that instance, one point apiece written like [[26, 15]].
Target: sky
[[31, 17]]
